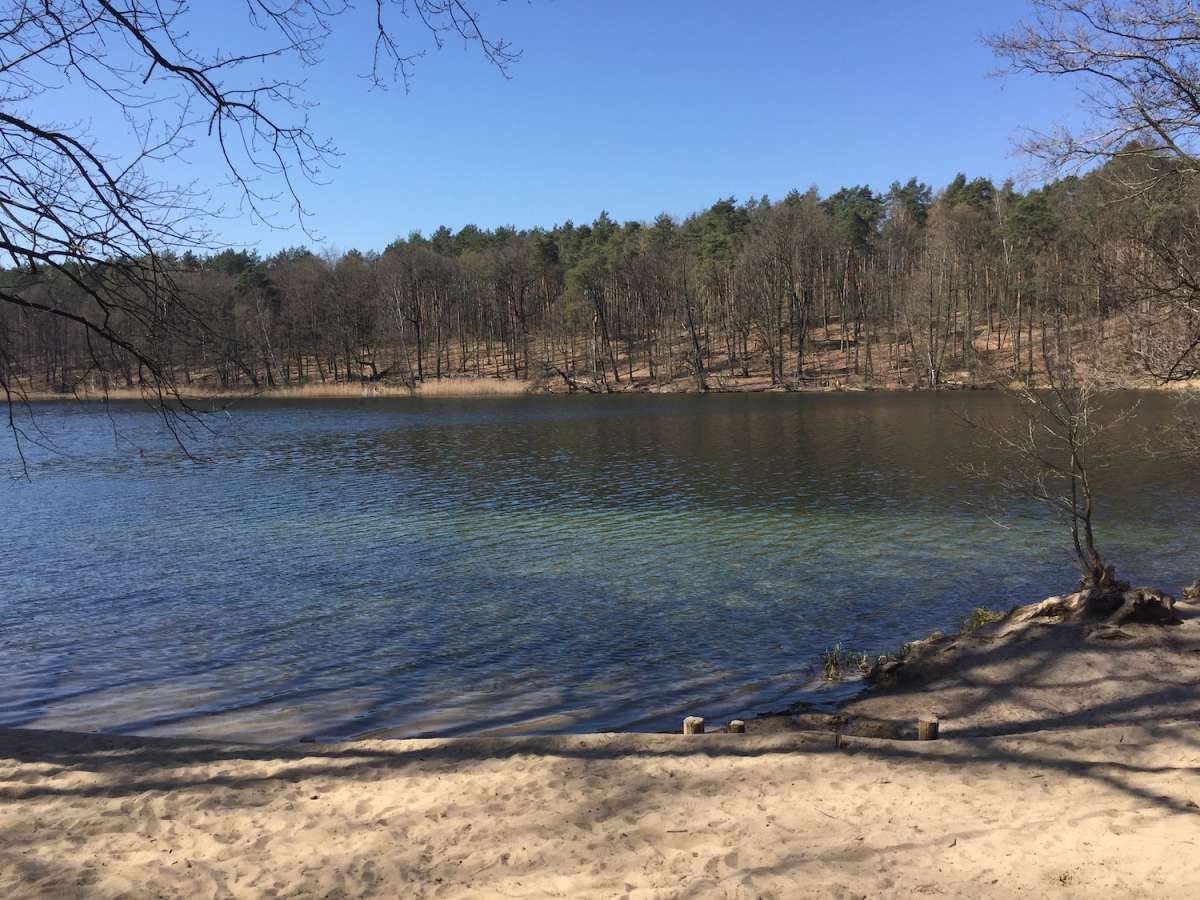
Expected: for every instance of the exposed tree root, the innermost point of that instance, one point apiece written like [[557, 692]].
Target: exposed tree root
[[1100, 612], [1110, 604]]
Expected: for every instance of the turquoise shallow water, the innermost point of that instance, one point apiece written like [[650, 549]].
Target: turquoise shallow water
[[526, 565]]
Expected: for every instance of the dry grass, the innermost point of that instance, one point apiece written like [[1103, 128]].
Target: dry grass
[[1189, 386], [83, 392], [473, 387], [446, 387]]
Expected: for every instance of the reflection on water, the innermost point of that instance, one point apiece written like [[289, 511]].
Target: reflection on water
[[523, 565]]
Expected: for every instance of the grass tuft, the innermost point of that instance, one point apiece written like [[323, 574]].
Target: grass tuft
[[837, 663], [978, 617]]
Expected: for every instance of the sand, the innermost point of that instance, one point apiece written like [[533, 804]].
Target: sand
[[1069, 767], [1107, 812]]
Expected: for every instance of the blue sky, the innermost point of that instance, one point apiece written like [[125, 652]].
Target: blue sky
[[643, 107]]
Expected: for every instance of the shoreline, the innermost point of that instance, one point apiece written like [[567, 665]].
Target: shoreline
[[1065, 743], [1041, 666], [461, 388]]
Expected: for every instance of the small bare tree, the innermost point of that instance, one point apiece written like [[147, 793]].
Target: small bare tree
[[1049, 454]]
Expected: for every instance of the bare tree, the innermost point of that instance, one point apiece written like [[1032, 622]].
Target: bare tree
[[1050, 453], [1137, 66], [1136, 62], [93, 234], [1052, 457]]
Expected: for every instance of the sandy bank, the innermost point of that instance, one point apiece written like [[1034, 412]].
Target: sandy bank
[[1105, 812], [1069, 767]]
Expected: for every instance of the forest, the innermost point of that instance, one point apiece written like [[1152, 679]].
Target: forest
[[117, 279], [972, 284]]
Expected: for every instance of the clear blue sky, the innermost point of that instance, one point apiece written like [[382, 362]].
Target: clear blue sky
[[639, 107]]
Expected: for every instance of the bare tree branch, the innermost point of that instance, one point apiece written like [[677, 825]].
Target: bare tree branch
[[93, 234]]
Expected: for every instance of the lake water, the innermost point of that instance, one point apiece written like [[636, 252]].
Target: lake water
[[539, 564]]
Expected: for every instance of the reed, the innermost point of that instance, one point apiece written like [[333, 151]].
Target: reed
[[837, 663], [446, 387], [474, 387]]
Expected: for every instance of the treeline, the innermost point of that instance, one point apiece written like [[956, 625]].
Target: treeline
[[910, 286]]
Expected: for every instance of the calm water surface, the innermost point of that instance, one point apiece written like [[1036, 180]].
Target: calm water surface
[[528, 565]]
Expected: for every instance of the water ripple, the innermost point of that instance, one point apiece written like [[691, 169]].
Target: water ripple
[[541, 564]]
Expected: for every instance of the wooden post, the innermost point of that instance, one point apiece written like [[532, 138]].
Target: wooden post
[[693, 725], [737, 726], [927, 728]]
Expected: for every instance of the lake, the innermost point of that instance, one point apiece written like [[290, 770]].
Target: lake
[[525, 565]]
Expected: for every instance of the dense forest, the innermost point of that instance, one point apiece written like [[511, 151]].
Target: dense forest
[[114, 279], [911, 287]]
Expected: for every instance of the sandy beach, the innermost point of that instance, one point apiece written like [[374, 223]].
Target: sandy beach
[[1110, 812], [1088, 790]]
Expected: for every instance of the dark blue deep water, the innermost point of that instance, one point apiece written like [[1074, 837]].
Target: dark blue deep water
[[539, 564]]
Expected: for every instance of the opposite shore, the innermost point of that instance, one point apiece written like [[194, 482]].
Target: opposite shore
[[465, 387]]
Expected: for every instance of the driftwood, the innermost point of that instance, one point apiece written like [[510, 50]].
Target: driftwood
[[574, 384], [1113, 605]]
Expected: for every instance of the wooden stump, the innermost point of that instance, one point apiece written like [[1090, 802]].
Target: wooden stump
[[737, 726], [927, 728], [693, 725]]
